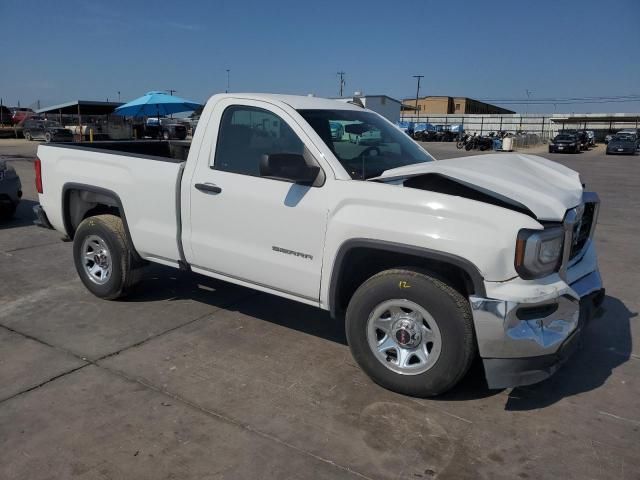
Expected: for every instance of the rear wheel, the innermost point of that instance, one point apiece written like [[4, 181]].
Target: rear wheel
[[102, 256], [410, 332], [47, 137], [27, 136]]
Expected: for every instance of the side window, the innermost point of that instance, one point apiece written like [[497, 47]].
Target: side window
[[248, 133]]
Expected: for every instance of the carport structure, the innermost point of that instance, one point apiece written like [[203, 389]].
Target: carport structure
[[602, 123], [80, 108]]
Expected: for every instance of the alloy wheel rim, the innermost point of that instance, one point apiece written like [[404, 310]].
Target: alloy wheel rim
[[96, 259], [404, 337]]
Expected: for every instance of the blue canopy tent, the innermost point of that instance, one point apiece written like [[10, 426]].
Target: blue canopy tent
[[156, 104]]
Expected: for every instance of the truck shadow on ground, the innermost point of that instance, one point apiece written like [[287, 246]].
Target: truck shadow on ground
[[606, 344], [606, 340], [164, 283], [23, 217]]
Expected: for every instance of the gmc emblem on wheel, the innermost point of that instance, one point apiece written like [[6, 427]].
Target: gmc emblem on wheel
[[292, 252]]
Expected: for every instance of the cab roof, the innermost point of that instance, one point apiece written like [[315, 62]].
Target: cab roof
[[297, 102]]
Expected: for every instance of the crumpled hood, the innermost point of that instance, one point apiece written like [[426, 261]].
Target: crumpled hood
[[546, 188]]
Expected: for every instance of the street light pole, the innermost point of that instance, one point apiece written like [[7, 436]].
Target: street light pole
[[342, 82], [418, 77], [227, 90]]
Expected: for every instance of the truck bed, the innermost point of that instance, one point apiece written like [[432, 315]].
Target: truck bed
[[143, 176]]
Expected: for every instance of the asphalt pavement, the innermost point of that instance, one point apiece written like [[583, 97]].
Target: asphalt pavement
[[193, 378]]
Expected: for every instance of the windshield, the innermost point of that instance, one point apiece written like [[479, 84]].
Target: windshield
[[52, 123], [625, 136], [367, 145]]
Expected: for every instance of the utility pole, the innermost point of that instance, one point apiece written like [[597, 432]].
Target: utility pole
[[418, 77], [118, 95], [342, 81], [227, 90], [171, 92]]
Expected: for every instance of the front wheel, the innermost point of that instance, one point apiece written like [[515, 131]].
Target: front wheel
[[47, 137], [27, 136], [410, 332], [459, 145], [102, 257]]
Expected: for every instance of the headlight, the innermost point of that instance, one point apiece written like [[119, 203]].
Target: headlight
[[538, 252]]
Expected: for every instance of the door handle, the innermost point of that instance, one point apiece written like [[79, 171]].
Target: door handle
[[208, 187]]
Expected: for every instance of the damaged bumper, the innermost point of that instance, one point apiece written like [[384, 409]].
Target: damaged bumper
[[526, 331]]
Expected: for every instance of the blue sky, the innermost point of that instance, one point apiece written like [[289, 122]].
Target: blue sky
[[63, 50]]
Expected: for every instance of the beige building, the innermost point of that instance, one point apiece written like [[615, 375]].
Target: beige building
[[447, 105]]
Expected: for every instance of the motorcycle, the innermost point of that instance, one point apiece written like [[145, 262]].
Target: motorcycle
[[462, 142]]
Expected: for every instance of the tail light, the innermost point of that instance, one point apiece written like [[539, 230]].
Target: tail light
[[38, 167]]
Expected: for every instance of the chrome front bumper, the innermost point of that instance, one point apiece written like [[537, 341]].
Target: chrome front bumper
[[523, 343], [524, 329]]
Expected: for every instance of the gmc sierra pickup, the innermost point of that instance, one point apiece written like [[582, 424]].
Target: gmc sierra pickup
[[430, 263]]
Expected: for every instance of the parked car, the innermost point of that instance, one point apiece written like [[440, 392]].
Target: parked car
[[632, 131], [47, 130], [583, 138], [430, 262], [406, 127], [424, 132], [608, 138], [564, 143], [581, 135], [623, 143], [168, 129], [592, 138], [19, 115], [10, 190]]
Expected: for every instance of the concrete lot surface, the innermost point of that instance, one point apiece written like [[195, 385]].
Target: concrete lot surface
[[192, 378]]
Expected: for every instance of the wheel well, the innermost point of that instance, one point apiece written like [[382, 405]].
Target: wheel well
[[80, 204], [360, 263]]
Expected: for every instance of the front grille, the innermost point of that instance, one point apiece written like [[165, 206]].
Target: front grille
[[582, 230]]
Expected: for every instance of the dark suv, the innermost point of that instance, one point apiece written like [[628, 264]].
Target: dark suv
[[169, 129], [47, 130]]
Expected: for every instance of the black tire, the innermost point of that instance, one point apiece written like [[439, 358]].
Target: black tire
[[47, 137], [459, 145], [27, 136], [125, 271], [166, 135], [448, 309]]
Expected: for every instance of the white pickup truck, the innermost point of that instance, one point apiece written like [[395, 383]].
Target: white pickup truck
[[431, 263]]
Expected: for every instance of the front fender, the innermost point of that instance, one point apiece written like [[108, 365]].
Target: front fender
[[480, 234]]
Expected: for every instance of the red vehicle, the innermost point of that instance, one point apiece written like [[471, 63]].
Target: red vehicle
[[19, 115]]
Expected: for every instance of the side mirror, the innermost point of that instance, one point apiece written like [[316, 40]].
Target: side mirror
[[290, 167]]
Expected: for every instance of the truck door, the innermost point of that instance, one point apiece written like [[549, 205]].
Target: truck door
[[248, 228]]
